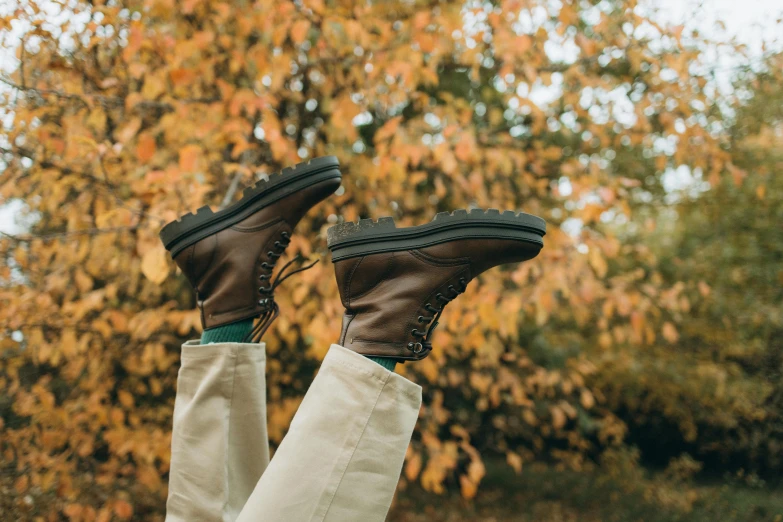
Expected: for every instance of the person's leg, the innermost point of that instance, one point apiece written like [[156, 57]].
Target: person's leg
[[342, 456], [219, 446], [219, 441]]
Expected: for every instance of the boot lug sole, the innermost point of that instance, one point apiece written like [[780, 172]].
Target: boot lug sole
[[192, 228], [366, 237]]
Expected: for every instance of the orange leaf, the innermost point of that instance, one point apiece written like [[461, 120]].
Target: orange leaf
[[21, 484], [413, 467], [468, 487], [299, 31], [145, 148], [188, 157], [123, 509], [155, 265], [182, 76]]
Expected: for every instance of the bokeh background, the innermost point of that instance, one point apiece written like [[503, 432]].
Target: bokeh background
[[632, 372]]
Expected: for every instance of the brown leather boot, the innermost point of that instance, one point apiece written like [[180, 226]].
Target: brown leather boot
[[229, 256], [395, 282]]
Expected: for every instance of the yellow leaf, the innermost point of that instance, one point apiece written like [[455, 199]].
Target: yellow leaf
[[300, 294], [316, 5], [68, 343], [126, 399], [597, 261], [515, 461], [529, 417], [149, 477], [587, 399], [83, 282], [558, 417], [476, 470], [97, 120], [125, 133], [387, 130], [153, 87], [155, 265]]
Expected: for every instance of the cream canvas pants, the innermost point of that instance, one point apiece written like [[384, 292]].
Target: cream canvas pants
[[340, 460]]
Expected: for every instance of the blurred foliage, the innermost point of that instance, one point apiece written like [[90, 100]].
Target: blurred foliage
[[718, 390], [618, 493], [652, 315]]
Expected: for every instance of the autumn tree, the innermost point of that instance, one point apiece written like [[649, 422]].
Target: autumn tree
[[712, 386], [122, 115]]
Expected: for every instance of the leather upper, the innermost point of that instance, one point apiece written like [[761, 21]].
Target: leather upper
[[389, 295], [227, 268]]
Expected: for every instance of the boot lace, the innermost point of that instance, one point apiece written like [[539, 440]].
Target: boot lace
[[425, 336], [270, 308]]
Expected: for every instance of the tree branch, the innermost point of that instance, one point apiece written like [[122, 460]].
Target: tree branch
[[73, 233], [232, 189], [24, 153], [45, 92], [108, 101]]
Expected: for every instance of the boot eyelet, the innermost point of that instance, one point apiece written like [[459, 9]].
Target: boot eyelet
[[421, 319], [262, 302], [263, 277], [415, 347], [265, 265], [270, 253]]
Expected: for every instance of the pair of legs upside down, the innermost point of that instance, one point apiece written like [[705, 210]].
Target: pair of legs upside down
[[342, 456]]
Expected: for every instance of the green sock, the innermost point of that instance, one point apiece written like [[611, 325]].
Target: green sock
[[228, 333], [387, 363], [236, 332]]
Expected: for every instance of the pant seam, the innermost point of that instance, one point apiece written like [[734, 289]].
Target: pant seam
[[220, 350], [356, 445], [235, 357], [386, 379], [411, 394]]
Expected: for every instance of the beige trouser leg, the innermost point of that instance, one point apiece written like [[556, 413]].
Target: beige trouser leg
[[219, 446], [340, 460]]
